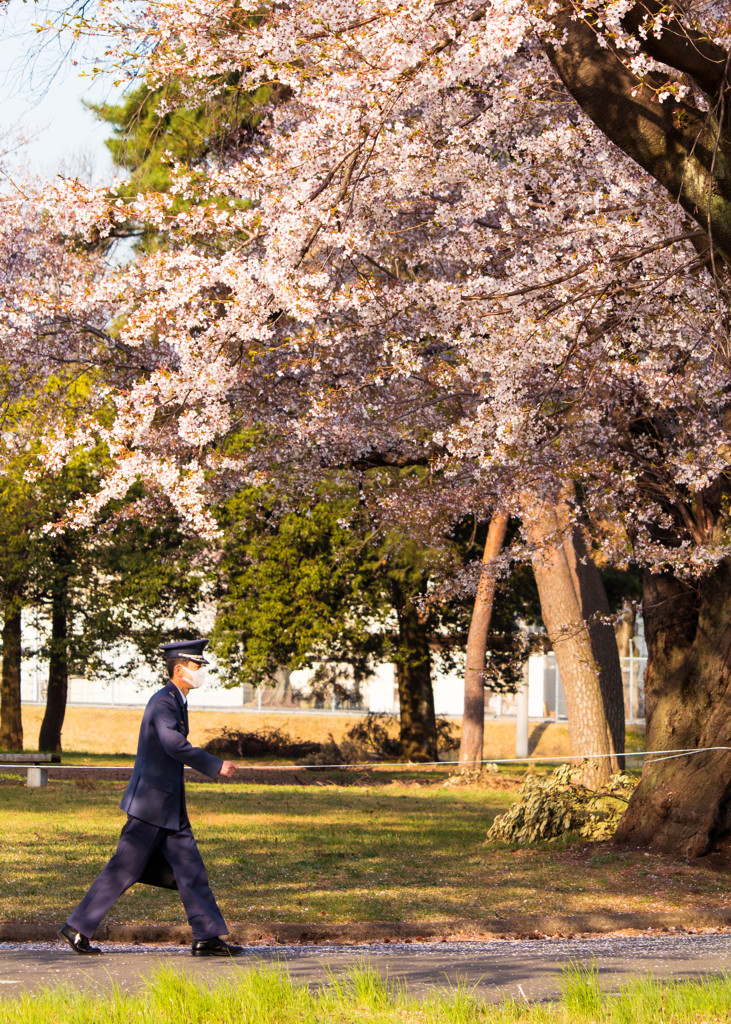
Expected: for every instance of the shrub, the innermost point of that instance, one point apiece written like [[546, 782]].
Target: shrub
[[266, 742], [370, 739], [549, 806], [373, 738]]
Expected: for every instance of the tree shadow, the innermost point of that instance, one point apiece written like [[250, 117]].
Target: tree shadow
[[535, 736]]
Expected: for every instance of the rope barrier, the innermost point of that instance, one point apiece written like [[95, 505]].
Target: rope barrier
[[666, 755]]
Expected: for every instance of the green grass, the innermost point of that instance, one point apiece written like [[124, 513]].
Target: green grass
[[325, 852], [362, 997]]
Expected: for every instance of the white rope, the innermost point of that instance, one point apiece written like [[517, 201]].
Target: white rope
[[668, 755]]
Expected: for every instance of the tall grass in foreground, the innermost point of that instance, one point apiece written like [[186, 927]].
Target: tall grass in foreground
[[269, 996]]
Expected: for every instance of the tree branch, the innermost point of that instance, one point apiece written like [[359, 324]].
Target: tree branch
[[678, 144], [680, 47]]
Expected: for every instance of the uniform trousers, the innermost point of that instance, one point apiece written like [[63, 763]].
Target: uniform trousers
[[136, 844]]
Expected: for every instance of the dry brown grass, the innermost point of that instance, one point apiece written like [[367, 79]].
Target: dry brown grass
[[114, 730]]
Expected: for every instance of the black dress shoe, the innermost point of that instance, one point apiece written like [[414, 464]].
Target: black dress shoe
[[78, 942], [215, 947]]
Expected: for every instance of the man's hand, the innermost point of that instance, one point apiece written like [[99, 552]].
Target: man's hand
[[228, 768]]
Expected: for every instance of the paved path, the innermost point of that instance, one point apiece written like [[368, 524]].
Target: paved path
[[497, 969]]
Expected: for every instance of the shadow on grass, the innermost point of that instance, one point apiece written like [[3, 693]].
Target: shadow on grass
[[339, 854]]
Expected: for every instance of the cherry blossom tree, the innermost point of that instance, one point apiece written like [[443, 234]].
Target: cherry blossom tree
[[488, 237]]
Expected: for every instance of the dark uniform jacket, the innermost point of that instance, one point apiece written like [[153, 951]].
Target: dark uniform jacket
[[156, 792]]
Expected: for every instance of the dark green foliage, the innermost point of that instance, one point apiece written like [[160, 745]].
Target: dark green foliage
[[137, 580], [123, 582], [516, 606], [154, 127], [320, 585], [295, 587], [621, 585]]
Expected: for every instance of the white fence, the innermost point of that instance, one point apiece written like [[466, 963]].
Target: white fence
[[633, 677], [546, 698]]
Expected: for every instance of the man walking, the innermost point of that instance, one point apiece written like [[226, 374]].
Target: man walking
[[157, 844]]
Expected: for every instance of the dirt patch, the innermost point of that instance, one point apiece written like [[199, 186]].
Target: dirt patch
[[482, 780], [86, 777]]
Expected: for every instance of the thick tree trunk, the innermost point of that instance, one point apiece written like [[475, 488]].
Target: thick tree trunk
[[11, 723], [473, 718], [575, 612], [282, 686], [418, 728], [682, 146], [683, 805], [58, 673]]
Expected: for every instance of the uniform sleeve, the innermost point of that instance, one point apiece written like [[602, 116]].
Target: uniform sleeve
[[176, 745]]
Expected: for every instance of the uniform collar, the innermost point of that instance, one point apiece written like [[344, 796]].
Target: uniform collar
[[178, 695]]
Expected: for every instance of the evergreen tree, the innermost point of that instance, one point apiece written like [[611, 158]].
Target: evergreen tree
[[112, 594], [99, 593], [322, 585]]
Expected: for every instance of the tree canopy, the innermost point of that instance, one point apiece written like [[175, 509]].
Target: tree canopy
[[487, 239]]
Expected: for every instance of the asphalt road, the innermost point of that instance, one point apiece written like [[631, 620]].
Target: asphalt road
[[502, 968]]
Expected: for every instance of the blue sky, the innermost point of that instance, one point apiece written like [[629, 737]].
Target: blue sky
[[41, 91]]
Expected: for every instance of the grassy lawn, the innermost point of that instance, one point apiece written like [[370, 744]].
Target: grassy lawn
[[270, 997], [387, 851]]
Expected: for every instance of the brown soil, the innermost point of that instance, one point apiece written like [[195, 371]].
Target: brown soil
[[250, 776]]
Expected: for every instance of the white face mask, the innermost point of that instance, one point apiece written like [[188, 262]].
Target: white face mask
[[194, 678]]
